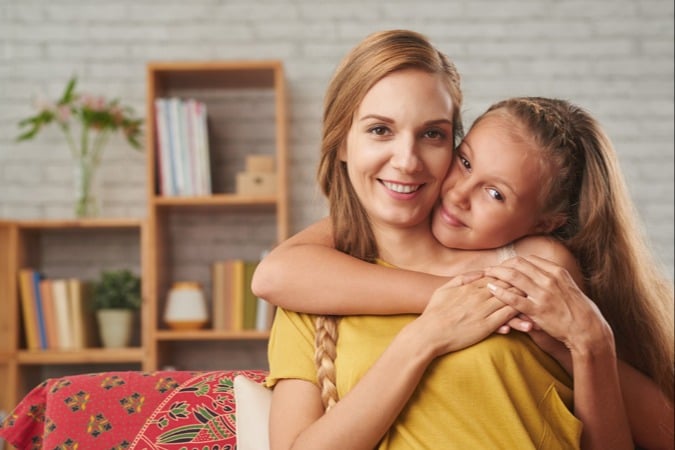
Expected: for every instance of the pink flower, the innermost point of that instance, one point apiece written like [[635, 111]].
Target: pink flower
[[63, 114]]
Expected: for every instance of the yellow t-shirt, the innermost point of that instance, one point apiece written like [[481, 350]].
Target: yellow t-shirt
[[502, 393]]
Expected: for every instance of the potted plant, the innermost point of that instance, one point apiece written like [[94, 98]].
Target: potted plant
[[87, 122], [116, 298]]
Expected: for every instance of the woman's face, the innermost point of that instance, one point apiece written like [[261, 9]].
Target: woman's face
[[491, 194], [399, 147]]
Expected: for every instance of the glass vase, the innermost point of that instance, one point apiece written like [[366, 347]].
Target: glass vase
[[87, 201]]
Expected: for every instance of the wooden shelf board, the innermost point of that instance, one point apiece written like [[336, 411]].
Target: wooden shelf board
[[91, 355], [68, 224], [210, 335], [217, 199]]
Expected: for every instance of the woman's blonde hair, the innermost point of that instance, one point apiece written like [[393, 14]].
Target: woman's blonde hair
[[602, 230], [377, 56]]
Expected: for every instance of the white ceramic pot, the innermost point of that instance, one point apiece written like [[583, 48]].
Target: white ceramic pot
[[186, 307], [115, 327]]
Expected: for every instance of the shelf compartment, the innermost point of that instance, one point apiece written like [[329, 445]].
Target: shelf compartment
[[218, 199], [87, 356], [211, 335], [74, 224]]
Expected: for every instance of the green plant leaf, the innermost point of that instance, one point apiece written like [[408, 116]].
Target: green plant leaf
[[68, 94], [117, 289]]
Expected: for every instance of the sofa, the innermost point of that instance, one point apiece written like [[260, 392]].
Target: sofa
[[165, 410]]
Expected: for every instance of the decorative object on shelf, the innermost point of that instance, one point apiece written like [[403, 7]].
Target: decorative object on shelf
[[117, 296], [87, 122], [186, 306], [259, 178]]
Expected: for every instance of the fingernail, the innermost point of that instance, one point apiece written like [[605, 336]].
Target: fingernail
[[491, 287]]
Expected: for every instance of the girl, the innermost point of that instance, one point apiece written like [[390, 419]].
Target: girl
[[532, 166]]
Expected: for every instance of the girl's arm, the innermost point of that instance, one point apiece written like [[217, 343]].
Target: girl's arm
[[363, 416], [306, 267], [556, 305]]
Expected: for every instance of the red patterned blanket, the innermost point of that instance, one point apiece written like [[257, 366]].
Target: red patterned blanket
[[129, 410]]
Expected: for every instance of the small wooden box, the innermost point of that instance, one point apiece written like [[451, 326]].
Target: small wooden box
[[256, 183], [260, 163]]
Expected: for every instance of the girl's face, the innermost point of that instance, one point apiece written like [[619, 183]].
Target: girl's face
[[491, 195], [399, 147]]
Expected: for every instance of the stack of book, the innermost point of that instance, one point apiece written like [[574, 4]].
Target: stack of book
[[235, 307], [56, 312], [183, 161]]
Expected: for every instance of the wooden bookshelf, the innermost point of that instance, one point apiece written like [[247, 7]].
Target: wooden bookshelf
[[239, 95], [158, 247]]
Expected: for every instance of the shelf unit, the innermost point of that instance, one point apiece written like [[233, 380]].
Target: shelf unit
[[178, 240], [60, 248], [246, 109]]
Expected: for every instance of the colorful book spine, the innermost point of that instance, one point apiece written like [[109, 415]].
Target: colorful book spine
[[28, 310], [46, 294], [40, 316], [62, 314]]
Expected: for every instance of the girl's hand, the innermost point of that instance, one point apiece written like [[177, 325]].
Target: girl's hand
[[551, 298], [460, 315]]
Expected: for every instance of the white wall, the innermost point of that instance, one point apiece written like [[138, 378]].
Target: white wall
[[614, 57]]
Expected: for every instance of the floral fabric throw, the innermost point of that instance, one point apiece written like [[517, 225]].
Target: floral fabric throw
[[129, 410]]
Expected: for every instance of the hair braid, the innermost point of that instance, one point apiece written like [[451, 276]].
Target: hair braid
[[325, 342]]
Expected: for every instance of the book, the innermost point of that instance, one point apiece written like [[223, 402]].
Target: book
[[237, 295], [40, 317], [82, 316], [62, 314], [28, 310], [46, 295], [250, 301], [264, 315], [233, 304], [221, 279], [165, 169]]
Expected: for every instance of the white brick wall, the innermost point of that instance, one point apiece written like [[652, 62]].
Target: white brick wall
[[614, 57]]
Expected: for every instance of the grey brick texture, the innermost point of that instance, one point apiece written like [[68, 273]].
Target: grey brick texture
[[615, 57]]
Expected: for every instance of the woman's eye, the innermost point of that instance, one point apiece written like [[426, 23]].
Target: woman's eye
[[379, 130], [494, 193], [435, 134]]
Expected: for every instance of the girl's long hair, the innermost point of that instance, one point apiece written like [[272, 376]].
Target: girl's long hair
[[602, 230]]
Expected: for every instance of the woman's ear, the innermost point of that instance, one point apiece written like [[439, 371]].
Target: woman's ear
[[550, 223], [342, 152]]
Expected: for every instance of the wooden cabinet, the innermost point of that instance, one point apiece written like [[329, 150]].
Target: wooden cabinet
[[179, 239], [61, 249]]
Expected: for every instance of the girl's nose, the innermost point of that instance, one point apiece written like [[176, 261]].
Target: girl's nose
[[456, 189]]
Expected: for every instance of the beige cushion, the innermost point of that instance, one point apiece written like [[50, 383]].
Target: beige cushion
[[253, 411]]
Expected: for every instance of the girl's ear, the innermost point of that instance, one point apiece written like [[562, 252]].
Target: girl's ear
[[550, 223]]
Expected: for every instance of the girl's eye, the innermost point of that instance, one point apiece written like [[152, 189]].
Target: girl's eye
[[494, 193], [464, 162], [379, 130]]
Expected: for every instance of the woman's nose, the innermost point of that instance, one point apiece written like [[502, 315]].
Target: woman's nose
[[405, 156]]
